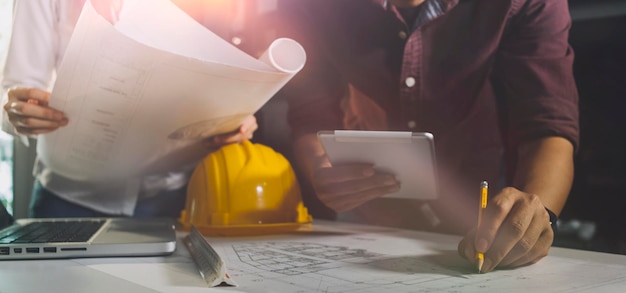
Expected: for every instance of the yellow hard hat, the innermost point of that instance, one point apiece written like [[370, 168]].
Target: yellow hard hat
[[244, 189]]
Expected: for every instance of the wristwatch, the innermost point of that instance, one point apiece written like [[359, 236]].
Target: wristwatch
[[553, 219]]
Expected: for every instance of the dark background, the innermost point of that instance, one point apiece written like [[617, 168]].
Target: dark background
[[598, 197]]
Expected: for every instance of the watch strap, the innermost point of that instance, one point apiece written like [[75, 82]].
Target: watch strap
[[553, 220]]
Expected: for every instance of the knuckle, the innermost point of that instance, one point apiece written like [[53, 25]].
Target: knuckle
[[545, 218], [50, 115], [500, 206], [26, 121], [22, 130], [490, 231], [497, 255], [524, 245], [318, 176], [325, 197], [31, 92], [518, 229], [322, 191], [461, 248], [11, 93], [508, 189], [534, 199], [534, 261]]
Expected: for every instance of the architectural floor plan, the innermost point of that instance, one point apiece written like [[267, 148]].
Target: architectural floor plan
[[336, 257], [366, 259]]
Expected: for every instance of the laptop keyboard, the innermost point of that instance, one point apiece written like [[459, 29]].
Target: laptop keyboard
[[53, 231]]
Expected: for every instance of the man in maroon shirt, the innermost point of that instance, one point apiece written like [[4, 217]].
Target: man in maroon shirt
[[492, 80]]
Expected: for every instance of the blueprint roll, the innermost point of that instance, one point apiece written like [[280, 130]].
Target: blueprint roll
[[140, 98], [285, 55]]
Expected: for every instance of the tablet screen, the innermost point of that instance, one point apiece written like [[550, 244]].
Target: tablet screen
[[409, 156]]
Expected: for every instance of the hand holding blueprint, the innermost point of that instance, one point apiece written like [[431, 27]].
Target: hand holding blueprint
[[142, 92]]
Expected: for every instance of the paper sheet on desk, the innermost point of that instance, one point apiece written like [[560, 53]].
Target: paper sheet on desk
[[140, 93]]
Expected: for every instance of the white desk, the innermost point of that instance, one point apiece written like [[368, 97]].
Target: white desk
[[330, 257]]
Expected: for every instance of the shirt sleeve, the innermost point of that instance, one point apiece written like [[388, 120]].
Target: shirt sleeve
[[32, 52], [533, 74], [314, 94]]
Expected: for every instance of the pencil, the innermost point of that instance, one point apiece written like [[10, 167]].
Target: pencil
[[484, 187]]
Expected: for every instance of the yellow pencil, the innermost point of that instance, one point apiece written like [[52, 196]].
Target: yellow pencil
[[484, 187]]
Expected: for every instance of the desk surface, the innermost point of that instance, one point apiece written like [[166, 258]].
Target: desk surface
[[328, 257]]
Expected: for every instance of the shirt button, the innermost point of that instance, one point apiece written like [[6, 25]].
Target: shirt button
[[402, 35], [409, 81], [236, 41], [411, 124]]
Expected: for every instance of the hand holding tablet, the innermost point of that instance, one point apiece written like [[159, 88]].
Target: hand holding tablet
[[408, 156]]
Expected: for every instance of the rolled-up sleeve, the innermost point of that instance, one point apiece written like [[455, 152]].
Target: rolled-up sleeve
[[533, 73]]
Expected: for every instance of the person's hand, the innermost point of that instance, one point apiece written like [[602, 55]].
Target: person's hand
[[347, 186], [244, 132], [515, 231], [27, 110]]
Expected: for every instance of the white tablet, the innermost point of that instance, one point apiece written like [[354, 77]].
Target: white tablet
[[410, 156]]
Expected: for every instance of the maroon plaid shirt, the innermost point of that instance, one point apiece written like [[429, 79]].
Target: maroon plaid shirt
[[483, 76]]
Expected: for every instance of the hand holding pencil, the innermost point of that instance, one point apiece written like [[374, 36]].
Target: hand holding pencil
[[513, 230]]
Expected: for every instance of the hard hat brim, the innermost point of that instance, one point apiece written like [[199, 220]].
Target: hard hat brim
[[249, 230]]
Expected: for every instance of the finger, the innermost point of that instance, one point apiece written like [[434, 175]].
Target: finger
[[21, 110], [347, 202], [213, 144], [34, 95], [13, 107], [521, 231], [493, 216], [29, 126], [250, 132], [247, 131], [34, 131], [249, 124], [247, 134], [224, 139], [466, 246], [357, 185], [539, 251], [244, 132], [247, 128], [517, 231], [524, 245], [510, 234], [220, 140], [343, 173], [539, 229], [34, 123], [345, 196]]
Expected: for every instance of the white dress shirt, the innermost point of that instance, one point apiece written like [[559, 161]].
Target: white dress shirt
[[41, 32]]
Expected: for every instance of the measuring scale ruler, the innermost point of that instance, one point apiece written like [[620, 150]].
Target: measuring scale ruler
[[209, 263]]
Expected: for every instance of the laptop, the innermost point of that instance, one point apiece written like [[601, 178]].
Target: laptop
[[84, 237]]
